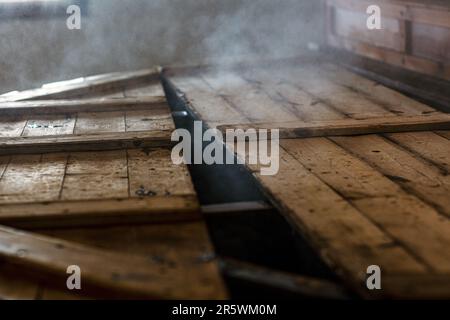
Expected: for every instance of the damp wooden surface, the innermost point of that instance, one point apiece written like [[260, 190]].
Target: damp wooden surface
[[359, 200]]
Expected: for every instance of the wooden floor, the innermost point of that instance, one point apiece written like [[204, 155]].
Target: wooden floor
[[96, 158], [378, 198], [86, 179]]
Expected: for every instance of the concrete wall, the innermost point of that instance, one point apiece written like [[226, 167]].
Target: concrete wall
[[122, 35]]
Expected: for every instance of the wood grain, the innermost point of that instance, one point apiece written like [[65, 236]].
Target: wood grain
[[85, 142], [346, 127]]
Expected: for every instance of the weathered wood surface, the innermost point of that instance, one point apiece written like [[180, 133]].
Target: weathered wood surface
[[84, 86], [358, 200], [85, 142], [86, 105], [91, 188], [121, 262], [351, 127]]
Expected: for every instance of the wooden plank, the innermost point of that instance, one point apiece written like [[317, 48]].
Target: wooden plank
[[235, 207], [122, 275], [82, 86], [157, 209], [402, 216], [85, 142], [304, 286], [415, 175], [350, 127], [184, 248], [89, 105]]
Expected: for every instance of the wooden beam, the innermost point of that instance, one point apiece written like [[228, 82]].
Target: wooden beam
[[158, 209], [82, 86], [349, 127], [85, 142], [308, 287], [120, 275], [76, 106]]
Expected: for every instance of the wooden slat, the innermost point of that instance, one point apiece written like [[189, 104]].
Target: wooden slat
[[82, 86], [123, 275], [85, 142], [89, 105], [156, 209], [304, 286], [346, 127], [185, 248]]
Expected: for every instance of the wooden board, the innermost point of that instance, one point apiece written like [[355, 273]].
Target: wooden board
[[85, 142], [89, 188], [121, 262], [84, 86], [87, 105], [85, 125]]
